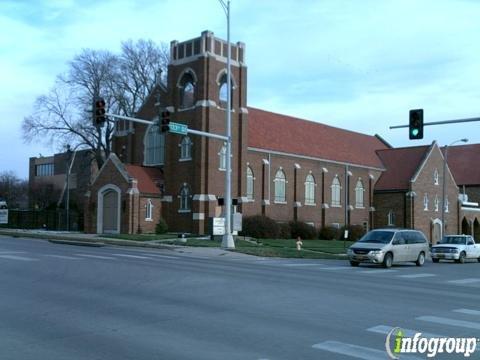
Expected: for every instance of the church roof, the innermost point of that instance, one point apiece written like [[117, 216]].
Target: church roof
[[401, 165], [148, 178], [463, 162], [287, 134]]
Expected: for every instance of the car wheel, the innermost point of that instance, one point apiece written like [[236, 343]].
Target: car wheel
[[354, 263], [461, 259], [421, 259], [436, 260], [388, 261]]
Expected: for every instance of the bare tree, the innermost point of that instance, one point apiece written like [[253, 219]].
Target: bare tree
[[64, 116], [13, 189]]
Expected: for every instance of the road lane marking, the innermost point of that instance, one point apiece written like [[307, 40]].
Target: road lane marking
[[383, 329], [415, 276], [451, 322], [303, 264], [96, 256], [132, 256], [380, 271], [468, 311], [464, 281], [355, 351], [63, 257], [14, 257]]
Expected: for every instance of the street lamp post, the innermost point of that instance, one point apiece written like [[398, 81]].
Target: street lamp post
[[444, 186], [227, 240]]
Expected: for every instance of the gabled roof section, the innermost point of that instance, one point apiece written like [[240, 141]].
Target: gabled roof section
[[148, 110], [113, 158], [148, 178], [402, 164], [464, 163], [289, 135]]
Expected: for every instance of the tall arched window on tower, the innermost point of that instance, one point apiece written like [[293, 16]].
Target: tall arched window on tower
[[187, 90], [359, 190], [310, 190], [250, 180], [154, 146], [223, 92], [184, 198], [280, 185], [336, 192], [186, 149]]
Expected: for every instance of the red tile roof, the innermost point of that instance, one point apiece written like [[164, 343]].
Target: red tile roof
[[147, 178], [401, 165], [464, 163], [276, 132]]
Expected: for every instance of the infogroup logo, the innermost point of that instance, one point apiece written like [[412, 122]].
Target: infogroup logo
[[397, 343]]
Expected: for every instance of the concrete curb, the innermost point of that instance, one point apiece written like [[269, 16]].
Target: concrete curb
[[68, 239]]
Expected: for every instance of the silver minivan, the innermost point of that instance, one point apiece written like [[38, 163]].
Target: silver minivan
[[389, 246]]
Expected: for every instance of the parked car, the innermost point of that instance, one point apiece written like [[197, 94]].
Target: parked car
[[457, 248], [389, 246]]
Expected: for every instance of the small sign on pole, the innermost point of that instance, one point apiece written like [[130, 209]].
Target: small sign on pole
[[177, 128], [218, 226]]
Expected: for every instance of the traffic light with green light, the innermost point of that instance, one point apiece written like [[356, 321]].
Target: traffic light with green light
[[415, 128]]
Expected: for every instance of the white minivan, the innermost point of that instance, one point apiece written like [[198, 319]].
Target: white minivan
[[389, 246]]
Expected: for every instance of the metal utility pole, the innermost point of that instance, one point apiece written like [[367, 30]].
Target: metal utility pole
[[227, 240]]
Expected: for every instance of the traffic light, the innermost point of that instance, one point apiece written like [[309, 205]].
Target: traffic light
[[99, 112], [165, 121], [415, 129]]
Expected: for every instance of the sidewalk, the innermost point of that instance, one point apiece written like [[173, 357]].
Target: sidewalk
[[81, 239]]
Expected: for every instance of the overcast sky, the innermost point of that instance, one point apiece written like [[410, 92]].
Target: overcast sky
[[359, 65]]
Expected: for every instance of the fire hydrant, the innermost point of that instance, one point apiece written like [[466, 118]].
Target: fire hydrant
[[299, 243]]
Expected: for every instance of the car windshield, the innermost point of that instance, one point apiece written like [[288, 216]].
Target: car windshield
[[455, 240], [381, 237]]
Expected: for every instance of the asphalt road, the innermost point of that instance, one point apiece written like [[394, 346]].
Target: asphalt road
[[72, 302]]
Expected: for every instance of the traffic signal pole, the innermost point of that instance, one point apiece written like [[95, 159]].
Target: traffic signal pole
[[439, 122]]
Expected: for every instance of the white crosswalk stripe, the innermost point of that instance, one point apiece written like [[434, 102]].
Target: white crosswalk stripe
[[465, 281], [96, 256], [383, 329], [65, 257], [15, 257], [468, 311], [355, 351], [451, 322], [416, 276]]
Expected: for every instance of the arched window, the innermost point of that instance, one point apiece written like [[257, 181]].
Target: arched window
[[184, 198], [186, 148], [310, 190], [149, 210], [223, 92], [250, 180], [359, 190], [435, 177], [425, 202], [222, 157], [187, 90], [336, 191], [391, 218], [154, 143], [436, 203], [280, 182]]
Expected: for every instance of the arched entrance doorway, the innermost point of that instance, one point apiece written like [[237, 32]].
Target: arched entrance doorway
[[466, 228], [108, 212], [476, 230], [436, 231]]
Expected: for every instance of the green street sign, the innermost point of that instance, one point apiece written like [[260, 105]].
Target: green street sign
[[177, 128]]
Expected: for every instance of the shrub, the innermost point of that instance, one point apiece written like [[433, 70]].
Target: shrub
[[284, 231], [260, 227], [355, 232], [161, 227], [329, 233], [302, 229]]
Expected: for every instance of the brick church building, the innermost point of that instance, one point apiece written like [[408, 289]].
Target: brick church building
[[282, 167]]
